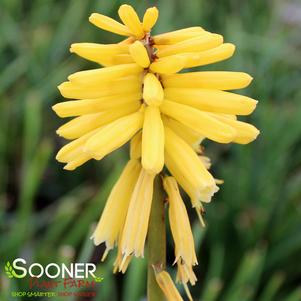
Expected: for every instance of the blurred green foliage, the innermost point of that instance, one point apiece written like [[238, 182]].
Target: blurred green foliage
[[251, 247]]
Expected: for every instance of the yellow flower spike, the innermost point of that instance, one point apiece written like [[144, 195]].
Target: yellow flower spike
[[152, 140], [221, 80], [173, 37], [212, 100], [150, 18], [138, 96], [189, 172], [95, 52], [130, 18], [152, 90], [201, 43], [109, 24], [246, 132], [113, 135], [167, 286], [135, 146], [136, 224], [139, 54], [82, 125], [111, 222], [188, 135], [199, 121], [88, 106], [179, 224], [217, 54], [168, 65], [120, 86], [104, 74]]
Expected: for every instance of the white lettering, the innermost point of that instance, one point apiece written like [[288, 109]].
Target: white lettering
[[69, 271], [79, 270], [90, 269], [36, 265], [18, 268], [57, 269]]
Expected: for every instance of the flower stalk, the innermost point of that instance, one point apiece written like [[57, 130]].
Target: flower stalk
[[156, 242]]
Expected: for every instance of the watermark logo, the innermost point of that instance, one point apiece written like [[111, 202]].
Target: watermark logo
[[20, 269], [10, 272], [65, 280]]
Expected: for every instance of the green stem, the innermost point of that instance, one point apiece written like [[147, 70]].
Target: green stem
[[156, 242]]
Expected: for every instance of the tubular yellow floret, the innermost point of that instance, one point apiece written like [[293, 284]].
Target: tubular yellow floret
[[245, 132], [135, 146], [210, 56], [168, 65], [73, 149], [81, 125], [95, 52], [179, 224], [201, 43], [187, 134], [78, 161], [119, 86], [120, 59], [113, 217], [187, 168], [104, 74], [221, 80], [199, 121], [152, 90], [173, 37], [109, 24], [88, 106], [150, 18], [152, 140], [113, 135], [167, 286], [73, 153], [189, 186], [212, 100], [115, 59], [139, 54], [121, 264], [185, 274], [130, 18], [135, 228]]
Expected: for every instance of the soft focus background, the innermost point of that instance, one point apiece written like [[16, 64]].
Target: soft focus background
[[251, 247]]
